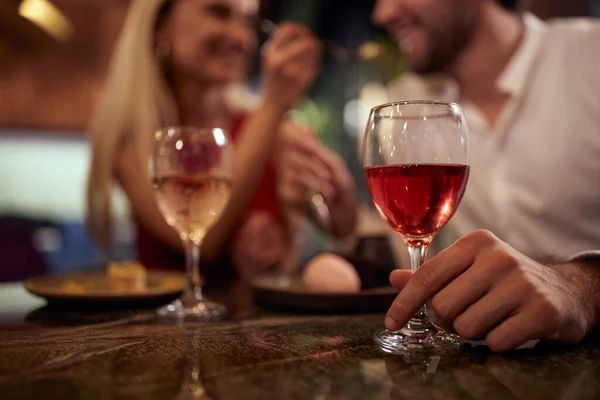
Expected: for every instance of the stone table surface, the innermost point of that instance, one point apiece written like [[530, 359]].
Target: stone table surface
[[48, 353]]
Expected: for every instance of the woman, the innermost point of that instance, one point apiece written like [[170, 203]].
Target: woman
[[173, 64]]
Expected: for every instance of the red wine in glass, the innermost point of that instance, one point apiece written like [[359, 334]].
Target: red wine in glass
[[417, 200], [416, 161]]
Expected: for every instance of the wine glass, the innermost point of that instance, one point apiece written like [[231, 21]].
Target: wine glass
[[191, 170], [416, 162]]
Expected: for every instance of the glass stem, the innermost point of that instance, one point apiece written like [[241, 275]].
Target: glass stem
[[417, 249], [192, 269]]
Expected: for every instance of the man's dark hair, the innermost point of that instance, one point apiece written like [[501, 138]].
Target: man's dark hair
[[511, 5]]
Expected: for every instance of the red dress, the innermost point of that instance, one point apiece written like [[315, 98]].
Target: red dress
[[154, 254]]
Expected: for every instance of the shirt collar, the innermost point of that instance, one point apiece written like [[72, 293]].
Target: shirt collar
[[513, 79]]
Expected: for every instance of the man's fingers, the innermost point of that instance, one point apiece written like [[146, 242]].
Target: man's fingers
[[424, 283], [399, 278], [533, 322], [435, 274], [489, 311], [465, 290]]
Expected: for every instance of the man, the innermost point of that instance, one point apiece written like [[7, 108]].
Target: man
[[531, 94]]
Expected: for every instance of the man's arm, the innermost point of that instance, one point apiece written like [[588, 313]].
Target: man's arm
[[482, 288], [583, 279]]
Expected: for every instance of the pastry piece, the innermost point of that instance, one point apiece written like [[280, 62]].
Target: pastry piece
[[72, 287], [126, 276]]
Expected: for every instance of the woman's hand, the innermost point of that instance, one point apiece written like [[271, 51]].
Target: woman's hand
[[290, 65], [261, 245], [291, 62], [305, 165]]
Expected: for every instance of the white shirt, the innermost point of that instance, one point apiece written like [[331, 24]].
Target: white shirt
[[535, 177]]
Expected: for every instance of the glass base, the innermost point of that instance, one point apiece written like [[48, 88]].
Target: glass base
[[192, 307], [192, 387], [428, 340]]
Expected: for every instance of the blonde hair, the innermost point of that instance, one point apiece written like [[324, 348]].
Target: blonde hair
[[136, 101]]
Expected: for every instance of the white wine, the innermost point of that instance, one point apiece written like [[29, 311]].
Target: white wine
[[192, 203]]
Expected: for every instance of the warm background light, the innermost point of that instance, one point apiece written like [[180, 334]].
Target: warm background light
[[48, 17]]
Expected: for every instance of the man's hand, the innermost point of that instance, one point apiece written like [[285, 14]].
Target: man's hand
[[482, 288]]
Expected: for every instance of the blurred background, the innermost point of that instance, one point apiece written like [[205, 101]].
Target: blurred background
[[53, 57]]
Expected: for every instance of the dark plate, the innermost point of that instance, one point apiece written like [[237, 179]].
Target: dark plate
[[291, 293], [87, 289]]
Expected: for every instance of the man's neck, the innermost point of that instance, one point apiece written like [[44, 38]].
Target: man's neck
[[496, 40]]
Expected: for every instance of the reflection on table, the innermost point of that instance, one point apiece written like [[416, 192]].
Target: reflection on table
[[260, 354]]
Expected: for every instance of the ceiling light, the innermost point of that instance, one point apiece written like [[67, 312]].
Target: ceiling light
[[45, 15]]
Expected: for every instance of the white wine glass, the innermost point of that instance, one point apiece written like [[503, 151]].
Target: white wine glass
[[416, 162], [191, 171]]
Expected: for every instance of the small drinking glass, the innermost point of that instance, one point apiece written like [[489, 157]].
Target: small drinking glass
[[416, 162], [191, 171]]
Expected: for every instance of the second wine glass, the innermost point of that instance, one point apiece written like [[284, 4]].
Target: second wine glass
[[191, 171], [416, 161]]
